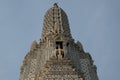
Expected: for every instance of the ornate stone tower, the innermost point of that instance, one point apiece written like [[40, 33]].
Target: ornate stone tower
[[57, 56]]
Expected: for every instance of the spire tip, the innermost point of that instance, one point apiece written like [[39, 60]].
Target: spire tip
[[56, 4]]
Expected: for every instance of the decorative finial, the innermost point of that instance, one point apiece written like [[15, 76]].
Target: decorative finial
[[55, 5]]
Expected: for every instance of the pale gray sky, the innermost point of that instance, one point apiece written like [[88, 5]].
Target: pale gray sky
[[95, 23]]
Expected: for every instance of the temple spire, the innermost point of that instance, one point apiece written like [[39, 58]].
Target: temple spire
[[57, 56], [55, 20]]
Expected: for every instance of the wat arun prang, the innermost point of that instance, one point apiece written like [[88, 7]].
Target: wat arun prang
[[57, 56]]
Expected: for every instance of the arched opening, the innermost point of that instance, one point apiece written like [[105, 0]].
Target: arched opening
[[59, 45]]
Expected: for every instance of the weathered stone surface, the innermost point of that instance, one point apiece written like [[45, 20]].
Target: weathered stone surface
[[57, 56]]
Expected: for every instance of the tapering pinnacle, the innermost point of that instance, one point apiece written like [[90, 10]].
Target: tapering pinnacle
[[53, 16], [55, 4]]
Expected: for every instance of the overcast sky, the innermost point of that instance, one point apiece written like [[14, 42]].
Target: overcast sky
[[95, 23]]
